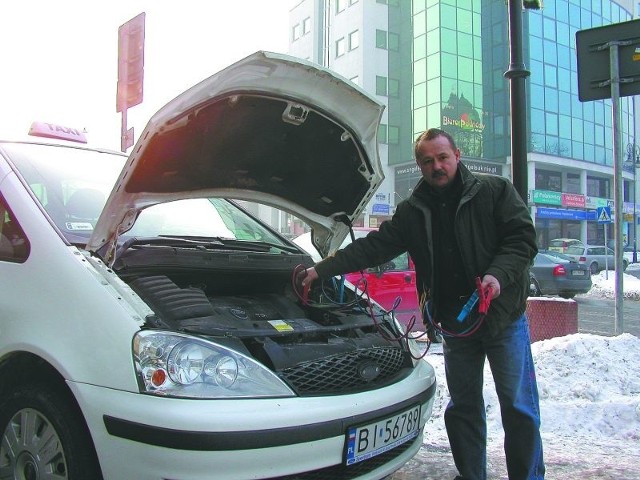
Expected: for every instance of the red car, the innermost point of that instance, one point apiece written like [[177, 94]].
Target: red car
[[386, 284]]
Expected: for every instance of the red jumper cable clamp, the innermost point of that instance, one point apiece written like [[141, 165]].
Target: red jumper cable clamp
[[481, 296], [484, 295]]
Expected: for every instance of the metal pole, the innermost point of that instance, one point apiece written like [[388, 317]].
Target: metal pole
[[516, 75], [635, 219], [617, 181]]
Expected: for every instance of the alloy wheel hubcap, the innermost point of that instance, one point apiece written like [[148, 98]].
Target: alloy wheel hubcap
[[31, 449]]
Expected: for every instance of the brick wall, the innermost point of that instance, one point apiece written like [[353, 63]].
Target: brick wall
[[550, 318]]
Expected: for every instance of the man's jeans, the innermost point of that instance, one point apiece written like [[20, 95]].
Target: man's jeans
[[509, 355]]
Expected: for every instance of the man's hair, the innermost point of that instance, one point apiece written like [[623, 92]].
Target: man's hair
[[430, 134]]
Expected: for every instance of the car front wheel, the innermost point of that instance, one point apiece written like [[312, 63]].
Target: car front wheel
[[43, 436], [534, 288]]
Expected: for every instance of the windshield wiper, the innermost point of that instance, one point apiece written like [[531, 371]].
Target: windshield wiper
[[203, 243]]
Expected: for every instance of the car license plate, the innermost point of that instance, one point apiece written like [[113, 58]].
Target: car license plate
[[367, 441], [578, 272]]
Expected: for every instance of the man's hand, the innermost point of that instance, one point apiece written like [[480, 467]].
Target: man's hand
[[491, 281], [307, 276]]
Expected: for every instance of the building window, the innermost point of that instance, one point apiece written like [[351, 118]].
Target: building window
[[389, 87], [394, 87], [306, 25], [548, 180], [355, 80], [297, 32], [382, 133], [394, 42], [381, 39], [354, 40], [387, 40], [340, 47], [351, 2], [340, 5], [393, 135], [381, 85], [388, 134]]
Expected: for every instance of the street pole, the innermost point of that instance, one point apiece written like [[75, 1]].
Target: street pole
[[633, 158], [617, 181], [517, 75]]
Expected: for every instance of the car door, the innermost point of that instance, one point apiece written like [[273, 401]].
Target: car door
[[598, 255], [392, 281]]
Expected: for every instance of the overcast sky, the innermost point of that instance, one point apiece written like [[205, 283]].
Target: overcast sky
[[59, 59]]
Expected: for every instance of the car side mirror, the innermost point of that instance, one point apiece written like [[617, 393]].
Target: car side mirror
[[385, 267]]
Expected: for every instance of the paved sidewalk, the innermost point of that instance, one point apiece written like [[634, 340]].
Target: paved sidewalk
[[562, 463]]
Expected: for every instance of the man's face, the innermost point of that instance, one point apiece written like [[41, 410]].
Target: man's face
[[437, 161]]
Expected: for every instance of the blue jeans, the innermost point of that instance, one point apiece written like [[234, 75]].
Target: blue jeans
[[509, 355]]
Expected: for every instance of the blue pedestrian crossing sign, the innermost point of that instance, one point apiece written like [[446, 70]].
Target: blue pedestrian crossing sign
[[603, 214]]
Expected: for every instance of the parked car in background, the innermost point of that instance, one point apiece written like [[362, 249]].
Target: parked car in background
[[628, 253], [152, 328], [596, 257], [562, 244], [390, 285], [554, 273]]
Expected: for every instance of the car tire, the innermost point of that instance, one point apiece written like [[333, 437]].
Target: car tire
[[534, 288], [47, 414], [594, 268]]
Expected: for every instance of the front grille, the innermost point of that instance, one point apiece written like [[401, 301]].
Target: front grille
[[342, 472], [340, 373]]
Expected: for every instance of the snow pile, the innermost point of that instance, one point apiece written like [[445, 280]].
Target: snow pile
[[604, 284], [588, 385]]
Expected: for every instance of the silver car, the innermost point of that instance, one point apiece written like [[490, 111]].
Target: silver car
[[596, 257]]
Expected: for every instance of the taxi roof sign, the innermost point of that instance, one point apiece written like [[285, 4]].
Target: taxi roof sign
[[51, 130]]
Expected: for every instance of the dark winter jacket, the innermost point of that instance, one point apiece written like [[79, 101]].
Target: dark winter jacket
[[495, 235]]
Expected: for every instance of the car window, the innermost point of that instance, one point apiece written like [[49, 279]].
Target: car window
[[14, 245], [72, 184], [575, 251], [401, 262]]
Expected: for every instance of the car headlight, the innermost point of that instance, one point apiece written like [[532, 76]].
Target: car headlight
[[178, 365]]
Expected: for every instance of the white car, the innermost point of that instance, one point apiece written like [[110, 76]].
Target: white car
[[151, 328]]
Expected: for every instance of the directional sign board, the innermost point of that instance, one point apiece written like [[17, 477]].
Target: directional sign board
[[594, 66], [603, 214]]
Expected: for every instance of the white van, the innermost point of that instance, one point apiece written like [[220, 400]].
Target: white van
[[151, 328]]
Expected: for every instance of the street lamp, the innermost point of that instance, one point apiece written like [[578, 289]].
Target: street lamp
[[633, 159]]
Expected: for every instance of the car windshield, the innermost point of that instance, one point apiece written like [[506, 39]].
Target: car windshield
[[557, 255], [73, 184]]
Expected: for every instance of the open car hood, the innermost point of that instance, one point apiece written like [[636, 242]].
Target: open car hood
[[270, 128]]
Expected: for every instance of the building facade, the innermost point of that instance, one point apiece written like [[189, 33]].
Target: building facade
[[441, 63]]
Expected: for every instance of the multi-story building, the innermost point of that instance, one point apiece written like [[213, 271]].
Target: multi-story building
[[441, 63]]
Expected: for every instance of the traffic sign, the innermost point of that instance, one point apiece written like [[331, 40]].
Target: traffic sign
[[594, 63], [603, 214]]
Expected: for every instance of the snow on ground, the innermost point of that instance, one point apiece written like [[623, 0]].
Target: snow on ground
[[589, 389]]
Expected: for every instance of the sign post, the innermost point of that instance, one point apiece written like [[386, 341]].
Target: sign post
[[130, 73], [609, 67], [603, 215]]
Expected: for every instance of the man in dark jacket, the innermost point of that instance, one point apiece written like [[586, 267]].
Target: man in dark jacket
[[457, 227]]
